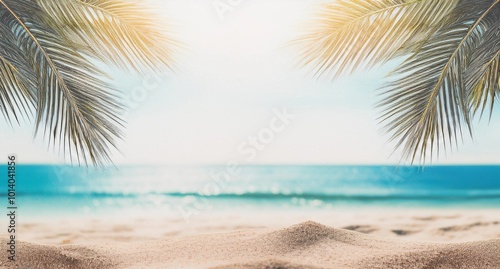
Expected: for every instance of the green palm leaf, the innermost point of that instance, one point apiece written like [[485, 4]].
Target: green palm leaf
[[41, 67], [16, 79], [427, 102], [483, 80], [451, 67]]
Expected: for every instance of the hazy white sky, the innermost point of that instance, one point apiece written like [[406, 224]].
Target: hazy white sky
[[232, 89]]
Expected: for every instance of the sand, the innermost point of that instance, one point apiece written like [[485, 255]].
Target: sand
[[390, 239]]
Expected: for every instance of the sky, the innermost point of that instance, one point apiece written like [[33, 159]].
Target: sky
[[237, 94]]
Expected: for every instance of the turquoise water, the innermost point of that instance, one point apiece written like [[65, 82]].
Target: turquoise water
[[57, 190]]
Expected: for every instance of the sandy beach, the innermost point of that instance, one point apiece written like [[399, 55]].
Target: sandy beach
[[229, 134], [437, 238]]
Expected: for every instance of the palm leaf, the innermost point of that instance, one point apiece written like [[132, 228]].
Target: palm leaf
[[17, 95], [77, 108], [350, 34], [451, 68], [44, 63], [119, 32], [482, 78], [427, 101]]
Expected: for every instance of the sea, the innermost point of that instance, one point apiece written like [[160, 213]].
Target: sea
[[60, 190]]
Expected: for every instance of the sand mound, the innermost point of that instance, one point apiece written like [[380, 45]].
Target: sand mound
[[270, 264], [32, 256], [307, 245], [300, 236]]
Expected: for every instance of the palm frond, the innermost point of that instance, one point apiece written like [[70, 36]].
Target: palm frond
[[427, 101], [350, 34], [45, 47], [74, 104], [450, 72], [483, 72], [17, 90], [119, 32]]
